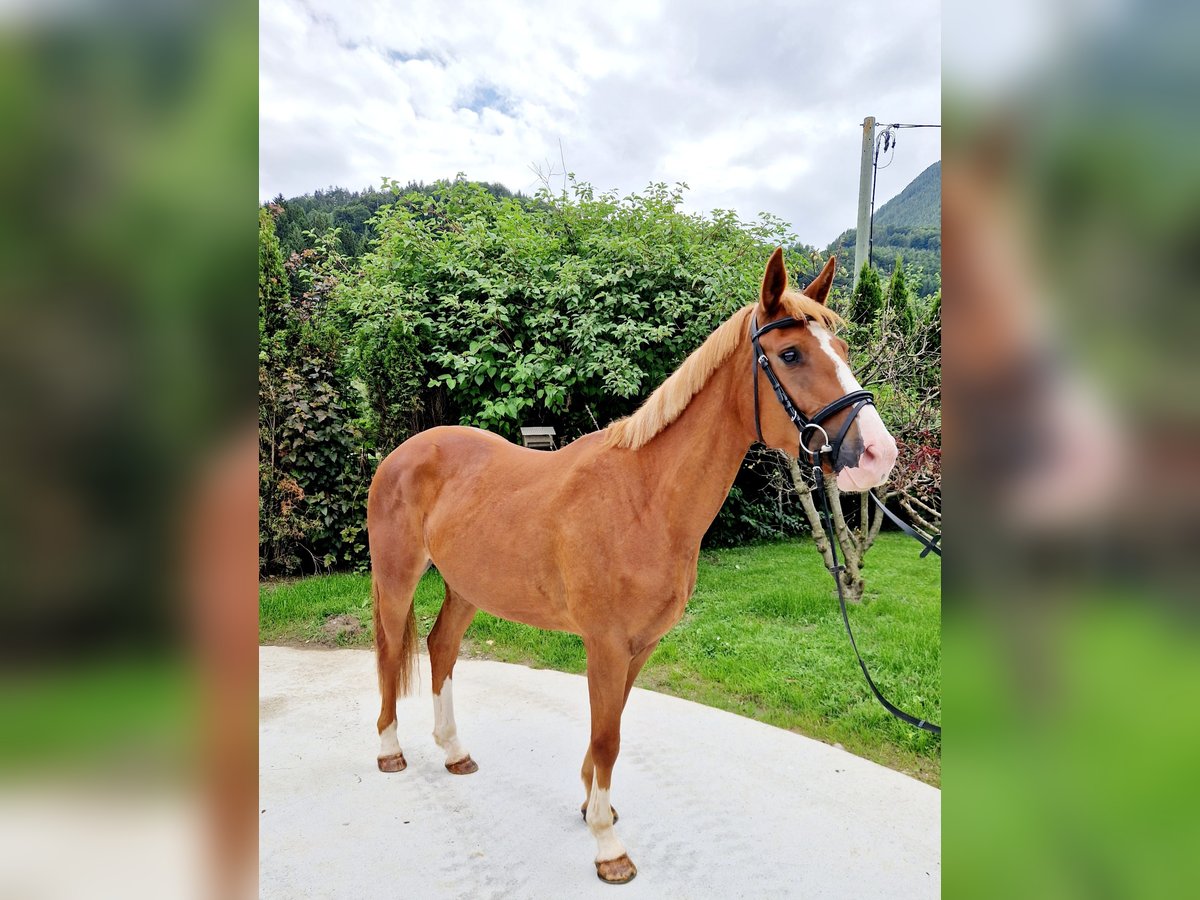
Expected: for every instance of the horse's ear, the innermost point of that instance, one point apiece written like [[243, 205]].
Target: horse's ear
[[775, 281], [819, 289]]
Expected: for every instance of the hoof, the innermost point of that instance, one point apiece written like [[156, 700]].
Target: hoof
[[393, 763], [616, 871], [464, 766], [583, 812]]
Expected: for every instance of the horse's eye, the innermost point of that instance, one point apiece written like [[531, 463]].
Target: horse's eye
[[790, 356]]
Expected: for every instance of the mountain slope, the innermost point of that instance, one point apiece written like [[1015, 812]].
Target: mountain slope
[[908, 226], [917, 206]]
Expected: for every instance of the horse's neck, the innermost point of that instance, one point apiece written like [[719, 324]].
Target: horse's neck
[[696, 458]]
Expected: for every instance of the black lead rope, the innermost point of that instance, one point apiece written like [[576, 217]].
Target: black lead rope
[[835, 570], [812, 426], [931, 546]]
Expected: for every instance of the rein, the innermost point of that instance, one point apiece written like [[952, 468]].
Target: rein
[[855, 401], [835, 570]]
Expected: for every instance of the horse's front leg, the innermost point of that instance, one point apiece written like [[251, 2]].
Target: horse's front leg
[[608, 669], [588, 769]]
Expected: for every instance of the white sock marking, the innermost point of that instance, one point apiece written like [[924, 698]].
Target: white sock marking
[[600, 823], [389, 744], [444, 730]]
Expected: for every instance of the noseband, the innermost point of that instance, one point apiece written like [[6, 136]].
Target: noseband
[[808, 426]]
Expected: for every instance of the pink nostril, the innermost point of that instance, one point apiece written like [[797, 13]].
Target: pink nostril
[[874, 454]]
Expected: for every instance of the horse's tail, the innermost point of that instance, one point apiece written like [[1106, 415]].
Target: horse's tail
[[396, 506], [395, 654]]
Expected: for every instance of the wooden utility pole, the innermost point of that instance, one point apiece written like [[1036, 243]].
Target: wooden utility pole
[[865, 173]]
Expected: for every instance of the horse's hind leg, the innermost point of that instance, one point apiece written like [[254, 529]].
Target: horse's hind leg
[[394, 578], [444, 642]]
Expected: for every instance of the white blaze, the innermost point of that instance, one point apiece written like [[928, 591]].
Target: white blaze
[[444, 730], [879, 446], [845, 377]]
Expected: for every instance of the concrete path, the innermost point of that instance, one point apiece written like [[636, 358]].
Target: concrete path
[[711, 804]]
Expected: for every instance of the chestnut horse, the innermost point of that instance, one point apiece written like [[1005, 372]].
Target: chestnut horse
[[600, 538]]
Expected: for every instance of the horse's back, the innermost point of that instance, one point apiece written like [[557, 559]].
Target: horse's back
[[456, 469], [457, 451]]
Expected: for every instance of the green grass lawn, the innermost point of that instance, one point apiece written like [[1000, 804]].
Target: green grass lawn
[[93, 716], [762, 637]]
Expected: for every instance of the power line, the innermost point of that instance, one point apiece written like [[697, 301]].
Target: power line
[[869, 167], [902, 125], [888, 139]]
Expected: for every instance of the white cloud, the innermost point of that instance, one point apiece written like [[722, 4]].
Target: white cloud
[[756, 107]]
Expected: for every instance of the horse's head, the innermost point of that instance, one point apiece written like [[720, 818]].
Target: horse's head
[[811, 365]]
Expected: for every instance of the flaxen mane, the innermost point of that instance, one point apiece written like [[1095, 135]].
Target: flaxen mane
[[671, 398]]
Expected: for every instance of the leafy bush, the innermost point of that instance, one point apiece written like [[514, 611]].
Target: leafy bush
[[313, 462], [313, 472], [386, 359], [566, 311], [761, 506], [867, 301], [900, 300], [473, 306], [747, 517]]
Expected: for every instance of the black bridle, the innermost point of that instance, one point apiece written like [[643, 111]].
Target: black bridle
[[808, 426], [854, 401]]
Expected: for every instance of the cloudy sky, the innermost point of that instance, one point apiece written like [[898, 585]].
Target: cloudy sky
[[756, 105]]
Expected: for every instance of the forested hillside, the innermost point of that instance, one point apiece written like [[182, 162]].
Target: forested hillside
[[917, 206], [348, 211], [909, 226]]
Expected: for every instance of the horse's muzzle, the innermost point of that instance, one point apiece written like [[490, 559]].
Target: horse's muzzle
[[867, 455]]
